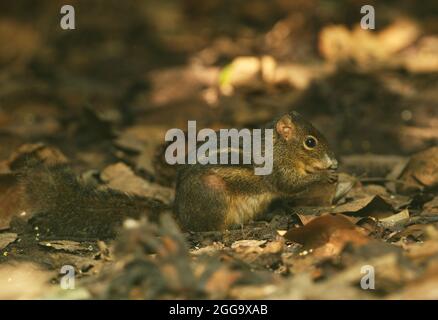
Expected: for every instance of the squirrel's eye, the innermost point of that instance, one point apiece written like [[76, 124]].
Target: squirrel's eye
[[310, 142]]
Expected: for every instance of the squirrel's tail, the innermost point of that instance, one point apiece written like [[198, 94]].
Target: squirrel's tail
[[62, 206]]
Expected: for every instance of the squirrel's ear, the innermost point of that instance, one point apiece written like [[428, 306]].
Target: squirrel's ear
[[285, 127]]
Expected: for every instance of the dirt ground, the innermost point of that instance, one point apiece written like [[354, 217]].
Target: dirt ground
[[95, 103]]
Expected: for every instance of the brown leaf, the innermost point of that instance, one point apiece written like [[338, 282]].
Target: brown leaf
[[6, 239], [328, 232], [321, 194], [306, 218], [373, 206], [221, 281], [415, 231], [396, 219], [36, 151], [120, 177], [66, 245], [360, 191], [431, 207], [421, 172], [135, 138], [146, 143], [248, 245]]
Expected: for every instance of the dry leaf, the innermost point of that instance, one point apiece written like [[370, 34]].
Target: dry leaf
[[67, 245], [36, 151], [373, 206], [415, 231], [120, 177], [431, 207], [396, 219], [330, 233], [243, 245], [421, 172], [6, 239]]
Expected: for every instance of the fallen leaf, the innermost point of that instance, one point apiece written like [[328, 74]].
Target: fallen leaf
[[396, 220], [6, 239], [431, 206], [38, 151], [221, 281], [67, 245], [306, 218], [321, 194], [415, 231], [329, 232], [421, 172], [209, 249], [136, 137], [120, 177], [247, 244], [373, 206]]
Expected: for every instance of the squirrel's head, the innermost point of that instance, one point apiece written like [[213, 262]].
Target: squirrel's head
[[304, 144]]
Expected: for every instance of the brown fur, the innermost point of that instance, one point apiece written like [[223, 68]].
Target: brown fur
[[214, 197]]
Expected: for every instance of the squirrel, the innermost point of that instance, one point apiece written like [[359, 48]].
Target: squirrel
[[216, 197], [208, 197]]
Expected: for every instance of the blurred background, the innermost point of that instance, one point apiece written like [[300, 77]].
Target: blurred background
[[131, 70]]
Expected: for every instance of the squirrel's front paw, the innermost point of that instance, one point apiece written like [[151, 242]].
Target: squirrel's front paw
[[331, 176]]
